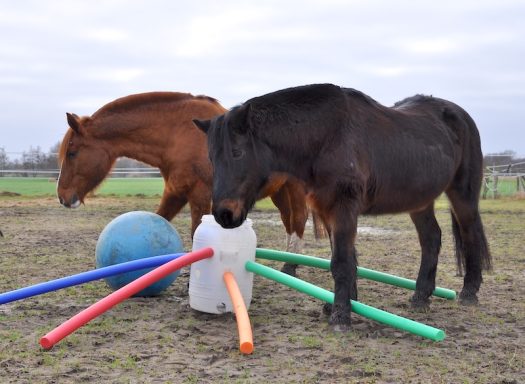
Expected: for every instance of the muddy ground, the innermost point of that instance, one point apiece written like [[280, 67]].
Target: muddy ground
[[162, 340]]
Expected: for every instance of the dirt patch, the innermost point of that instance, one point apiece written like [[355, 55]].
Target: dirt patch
[[163, 340], [9, 194]]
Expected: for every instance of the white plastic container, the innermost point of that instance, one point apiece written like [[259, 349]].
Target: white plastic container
[[232, 248]]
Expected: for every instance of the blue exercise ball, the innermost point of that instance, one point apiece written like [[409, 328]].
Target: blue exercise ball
[[136, 235]]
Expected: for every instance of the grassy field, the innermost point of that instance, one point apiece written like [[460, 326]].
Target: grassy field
[[41, 186], [506, 186], [28, 187]]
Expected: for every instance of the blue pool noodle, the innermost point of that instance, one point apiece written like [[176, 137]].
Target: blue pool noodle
[[84, 277]]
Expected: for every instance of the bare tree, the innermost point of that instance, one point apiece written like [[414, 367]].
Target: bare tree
[[4, 160]]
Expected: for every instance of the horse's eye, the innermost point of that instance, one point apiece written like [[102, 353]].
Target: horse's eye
[[71, 155], [238, 153]]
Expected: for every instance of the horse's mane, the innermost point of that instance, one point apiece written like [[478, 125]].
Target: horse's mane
[[63, 147], [354, 93], [222, 135], [278, 104], [142, 100], [208, 98], [416, 99]]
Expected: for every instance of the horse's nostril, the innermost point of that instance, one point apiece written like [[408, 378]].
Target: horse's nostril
[[226, 217], [75, 201], [61, 200]]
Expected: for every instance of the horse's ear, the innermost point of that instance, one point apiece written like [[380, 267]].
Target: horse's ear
[[203, 125], [74, 122]]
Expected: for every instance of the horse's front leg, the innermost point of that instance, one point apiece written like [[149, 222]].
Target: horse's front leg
[[430, 239], [343, 266], [170, 204]]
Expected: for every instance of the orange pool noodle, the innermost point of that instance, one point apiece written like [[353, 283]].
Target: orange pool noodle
[[123, 293], [243, 321]]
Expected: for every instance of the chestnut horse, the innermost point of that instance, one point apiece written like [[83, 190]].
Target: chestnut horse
[[156, 128], [357, 157]]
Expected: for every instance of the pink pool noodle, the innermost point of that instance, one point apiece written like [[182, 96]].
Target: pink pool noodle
[[123, 293]]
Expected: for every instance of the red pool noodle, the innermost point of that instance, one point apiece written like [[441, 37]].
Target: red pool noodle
[[123, 293]]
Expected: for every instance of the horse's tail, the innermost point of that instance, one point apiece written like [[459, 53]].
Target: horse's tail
[[465, 194], [460, 249], [458, 245]]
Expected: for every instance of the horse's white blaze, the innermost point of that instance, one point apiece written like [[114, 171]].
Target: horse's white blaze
[[58, 178]]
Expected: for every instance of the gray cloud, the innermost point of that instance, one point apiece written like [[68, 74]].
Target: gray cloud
[[75, 56]]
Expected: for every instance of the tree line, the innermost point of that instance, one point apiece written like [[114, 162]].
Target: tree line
[[36, 159]]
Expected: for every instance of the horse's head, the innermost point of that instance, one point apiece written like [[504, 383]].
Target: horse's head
[[83, 162], [240, 164]]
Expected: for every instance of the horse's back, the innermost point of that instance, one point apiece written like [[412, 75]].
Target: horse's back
[[415, 153], [164, 121], [451, 120]]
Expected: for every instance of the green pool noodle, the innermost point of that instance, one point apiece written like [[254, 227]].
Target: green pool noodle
[[357, 307], [365, 273]]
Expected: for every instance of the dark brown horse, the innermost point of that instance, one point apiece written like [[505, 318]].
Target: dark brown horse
[[156, 128], [357, 157]]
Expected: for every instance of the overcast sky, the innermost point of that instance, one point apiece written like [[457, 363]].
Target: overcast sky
[[75, 56]]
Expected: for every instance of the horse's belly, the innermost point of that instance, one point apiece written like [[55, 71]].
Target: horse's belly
[[399, 205], [409, 181], [408, 197]]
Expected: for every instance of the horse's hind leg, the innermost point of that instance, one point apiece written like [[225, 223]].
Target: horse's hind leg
[[299, 215], [281, 200], [472, 250], [429, 235], [291, 202]]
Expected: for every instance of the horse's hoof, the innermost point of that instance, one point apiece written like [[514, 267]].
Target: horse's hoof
[[466, 298], [289, 269], [420, 304], [341, 328], [340, 319], [327, 309]]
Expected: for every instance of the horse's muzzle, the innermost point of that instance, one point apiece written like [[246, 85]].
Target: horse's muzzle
[[227, 218], [74, 202]]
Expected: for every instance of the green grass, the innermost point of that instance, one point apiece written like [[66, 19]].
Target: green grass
[[149, 187], [507, 186], [41, 186]]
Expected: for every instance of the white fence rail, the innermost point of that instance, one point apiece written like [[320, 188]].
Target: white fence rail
[[55, 172], [497, 173]]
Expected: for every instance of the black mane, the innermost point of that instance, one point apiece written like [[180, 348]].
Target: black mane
[[416, 99]]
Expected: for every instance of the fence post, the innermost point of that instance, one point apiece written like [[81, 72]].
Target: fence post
[[485, 187], [495, 188]]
